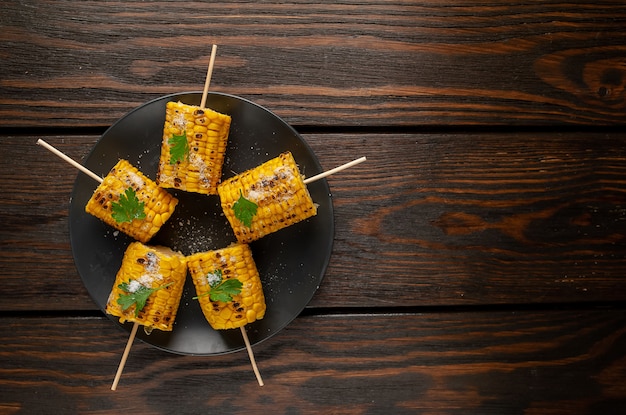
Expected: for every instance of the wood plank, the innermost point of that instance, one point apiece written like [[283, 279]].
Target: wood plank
[[477, 218], [319, 63], [472, 363], [429, 219], [37, 267]]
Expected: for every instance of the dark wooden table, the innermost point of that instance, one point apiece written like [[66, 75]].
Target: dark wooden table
[[479, 257]]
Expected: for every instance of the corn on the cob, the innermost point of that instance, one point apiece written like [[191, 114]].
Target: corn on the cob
[[276, 188], [210, 269], [158, 204], [193, 148], [156, 271]]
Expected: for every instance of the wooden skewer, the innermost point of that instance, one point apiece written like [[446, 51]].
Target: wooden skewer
[[306, 181], [207, 81], [69, 160], [205, 92], [133, 332], [120, 368], [335, 170], [251, 356]]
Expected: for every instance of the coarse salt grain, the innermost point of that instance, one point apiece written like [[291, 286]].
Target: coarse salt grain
[[133, 286]]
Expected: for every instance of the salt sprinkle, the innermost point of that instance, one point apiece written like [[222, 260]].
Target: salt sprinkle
[[147, 279], [180, 121], [213, 278], [133, 286]]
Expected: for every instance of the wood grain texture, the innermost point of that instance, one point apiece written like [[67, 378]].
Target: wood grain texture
[[479, 257], [477, 219], [373, 62], [37, 268], [449, 363], [428, 220]]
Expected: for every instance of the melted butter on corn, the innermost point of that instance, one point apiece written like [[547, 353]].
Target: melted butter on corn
[[207, 135], [151, 267], [278, 190], [234, 261], [158, 203]]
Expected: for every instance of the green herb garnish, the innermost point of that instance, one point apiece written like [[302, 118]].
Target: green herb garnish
[[179, 148], [137, 298], [221, 289], [244, 210], [128, 207]]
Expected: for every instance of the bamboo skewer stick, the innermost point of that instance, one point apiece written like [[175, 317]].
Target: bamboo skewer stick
[[251, 356], [205, 92], [70, 161], [335, 170], [120, 368], [207, 81], [133, 332], [306, 181]]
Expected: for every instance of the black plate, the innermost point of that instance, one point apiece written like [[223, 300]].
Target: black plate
[[291, 262]]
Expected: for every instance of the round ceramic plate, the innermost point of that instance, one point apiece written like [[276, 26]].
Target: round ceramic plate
[[291, 262]]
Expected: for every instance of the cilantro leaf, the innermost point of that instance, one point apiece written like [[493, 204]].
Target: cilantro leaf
[[137, 297], [128, 207], [244, 210], [221, 290], [225, 290], [179, 148]]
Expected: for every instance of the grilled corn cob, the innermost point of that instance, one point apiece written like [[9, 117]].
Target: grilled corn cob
[[153, 204], [279, 193], [157, 272], [210, 271], [193, 147]]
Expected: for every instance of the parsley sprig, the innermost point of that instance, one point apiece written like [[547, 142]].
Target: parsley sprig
[[128, 207], [137, 298], [221, 289], [179, 148], [245, 210]]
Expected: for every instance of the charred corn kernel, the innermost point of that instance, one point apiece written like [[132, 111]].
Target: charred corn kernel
[[278, 190], [158, 204], [234, 261], [198, 168], [158, 268]]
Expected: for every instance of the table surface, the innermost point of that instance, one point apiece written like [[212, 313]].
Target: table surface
[[478, 264]]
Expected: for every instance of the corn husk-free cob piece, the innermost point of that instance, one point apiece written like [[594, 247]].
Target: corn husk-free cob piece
[[279, 194], [210, 269], [158, 269], [147, 291], [193, 148], [155, 203]]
